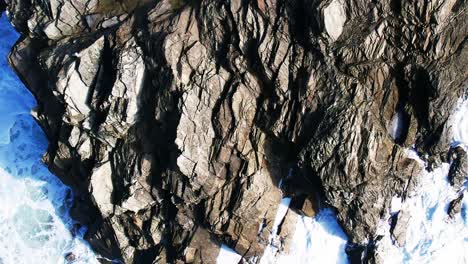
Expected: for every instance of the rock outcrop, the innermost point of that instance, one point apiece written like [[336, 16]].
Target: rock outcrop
[[175, 121]]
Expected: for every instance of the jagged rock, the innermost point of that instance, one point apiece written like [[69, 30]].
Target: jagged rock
[[168, 118], [308, 206], [70, 257], [202, 248], [287, 230], [399, 227], [101, 188], [455, 206], [458, 172]]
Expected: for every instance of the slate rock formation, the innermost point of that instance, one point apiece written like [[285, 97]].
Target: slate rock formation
[[175, 121]]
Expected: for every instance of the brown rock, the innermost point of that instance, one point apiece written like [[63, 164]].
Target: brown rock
[[288, 228], [202, 248], [167, 122]]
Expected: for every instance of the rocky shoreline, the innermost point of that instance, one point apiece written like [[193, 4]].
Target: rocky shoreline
[[175, 122]]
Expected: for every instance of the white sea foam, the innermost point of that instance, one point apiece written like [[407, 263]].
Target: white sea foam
[[317, 239], [460, 124], [432, 237], [34, 221]]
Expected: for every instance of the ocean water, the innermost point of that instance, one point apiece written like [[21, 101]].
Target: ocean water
[[35, 226]]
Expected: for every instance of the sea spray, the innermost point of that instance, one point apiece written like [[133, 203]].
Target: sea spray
[[35, 226]]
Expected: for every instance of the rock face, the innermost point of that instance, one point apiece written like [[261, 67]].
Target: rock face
[[175, 121], [458, 168]]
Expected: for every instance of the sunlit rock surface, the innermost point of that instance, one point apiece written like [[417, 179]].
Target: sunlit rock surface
[[334, 17]]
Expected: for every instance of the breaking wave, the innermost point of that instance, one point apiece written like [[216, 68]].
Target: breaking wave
[[35, 226]]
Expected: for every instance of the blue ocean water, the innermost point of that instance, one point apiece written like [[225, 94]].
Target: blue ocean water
[[35, 226]]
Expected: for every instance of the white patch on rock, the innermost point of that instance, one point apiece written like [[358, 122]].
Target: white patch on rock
[[67, 16], [396, 126], [101, 188], [128, 86], [460, 125], [334, 17], [76, 93], [85, 149], [139, 199], [90, 59], [269, 255], [110, 22], [52, 32], [228, 256], [395, 205], [75, 86]]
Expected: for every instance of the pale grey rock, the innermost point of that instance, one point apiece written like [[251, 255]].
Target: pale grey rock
[[334, 17], [101, 188], [125, 93], [399, 231]]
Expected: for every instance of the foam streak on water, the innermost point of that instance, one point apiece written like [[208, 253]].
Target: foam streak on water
[[34, 221]]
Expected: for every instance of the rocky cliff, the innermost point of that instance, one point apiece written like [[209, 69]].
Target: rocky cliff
[[175, 121]]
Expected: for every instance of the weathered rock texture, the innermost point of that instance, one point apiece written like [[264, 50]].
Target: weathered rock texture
[[174, 122]]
